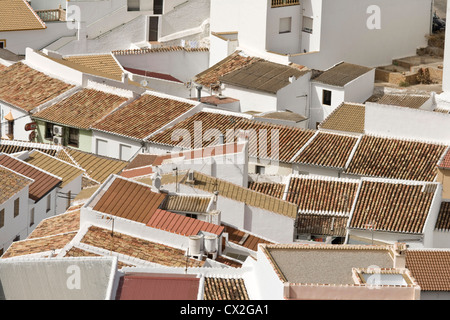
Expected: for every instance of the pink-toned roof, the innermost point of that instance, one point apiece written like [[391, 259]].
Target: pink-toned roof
[[445, 162], [154, 287], [180, 224]]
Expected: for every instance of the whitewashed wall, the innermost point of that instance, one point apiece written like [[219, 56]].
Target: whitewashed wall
[[74, 187], [360, 89], [251, 100], [295, 97], [114, 145], [319, 111]]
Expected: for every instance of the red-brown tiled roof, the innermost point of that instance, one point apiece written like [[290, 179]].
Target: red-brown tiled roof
[[430, 268], [43, 182], [445, 161], [180, 224], [272, 189], [443, 220], [18, 15], [395, 159], [393, 206], [11, 183], [327, 150], [143, 116], [129, 200], [217, 288], [82, 109], [156, 50], [244, 239], [151, 74], [27, 88]]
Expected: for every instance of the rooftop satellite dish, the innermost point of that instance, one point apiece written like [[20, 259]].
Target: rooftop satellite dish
[[144, 83]]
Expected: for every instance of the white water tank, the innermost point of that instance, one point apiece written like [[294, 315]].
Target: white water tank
[[195, 245], [211, 243]]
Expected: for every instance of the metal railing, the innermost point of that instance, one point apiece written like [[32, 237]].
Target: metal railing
[[284, 3]]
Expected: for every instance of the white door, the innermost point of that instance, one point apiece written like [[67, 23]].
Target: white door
[[125, 152], [102, 147]]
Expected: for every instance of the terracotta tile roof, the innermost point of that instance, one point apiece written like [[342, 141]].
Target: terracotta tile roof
[[158, 287], [180, 224], [243, 238], [395, 159], [217, 288], [430, 268], [55, 166], [282, 142], [11, 183], [241, 194], [129, 200], [211, 76], [38, 245], [77, 252], [60, 224], [143, 116], [263, 76], [322, 195], [319, 224], [393, 206], [102, 63], [443, 220], [17, 15], [327, 150], [156, 50], [348, 117], [96, 167], [186, 203], [444, 163], [82, 109], [151, 74], [138, 248], [407, 100], [12, 146], [341, 74], [43, 182], [272, 189], [141, 160], [27, 88]]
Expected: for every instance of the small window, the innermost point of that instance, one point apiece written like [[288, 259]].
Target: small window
[[2, 218], [11, 127], [307, 25], [48, 131], [326, 99], [260, 169], [193, 216], [285, 25], [16, 207], [49, 202], [2, 44], [74, 136], [32, 217]]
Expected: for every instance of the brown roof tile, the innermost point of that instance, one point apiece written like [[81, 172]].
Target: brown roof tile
[[129, 200], [63, 223], [156, 50], [55, 166], [243, 238], [82, 109], [395, 159], [319, 224], [12, 146], [407, 100], [102, 63], [393, 206], [77, 252], [17, 15], [348, 117], [187, 204], [43, 182], [27, 88], [327, 150], [341, 74], [225, 289], [143, 116], [138, 248], [430, 268], [11, 183], [272, 189], [443, 220]]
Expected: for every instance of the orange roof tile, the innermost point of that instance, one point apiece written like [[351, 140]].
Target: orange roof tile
[[17, 15], [27, 88], [11, 183], [348, 117], [82, 109], [217, 288], [430, 268]]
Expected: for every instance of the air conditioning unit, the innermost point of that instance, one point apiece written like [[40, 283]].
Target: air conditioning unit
[[58, 140], [57, 130]]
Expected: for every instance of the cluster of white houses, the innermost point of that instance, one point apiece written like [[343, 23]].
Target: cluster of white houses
[[212, 155]]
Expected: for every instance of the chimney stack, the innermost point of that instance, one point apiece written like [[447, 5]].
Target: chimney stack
[[399, 251]]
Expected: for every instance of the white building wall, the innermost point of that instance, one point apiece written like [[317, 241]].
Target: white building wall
[[20, 119], [319, 111], [295, 97], [40, 208], [18, 225], [74, 187], [115, 144], [311, 41], [251, 100], [360, 89], [252, 27]]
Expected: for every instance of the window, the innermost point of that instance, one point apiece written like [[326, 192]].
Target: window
[[11, 127], [2, 44], [285, 25], [48, 131], [260, 169], [16, 207], [307, 25], [49, 202], [74, 136], [326, 98], [193, 216], [31, 217], [2, 218], [133, 5]]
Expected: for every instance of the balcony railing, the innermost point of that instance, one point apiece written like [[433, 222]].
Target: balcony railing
[[52, 15], [284, 3]]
